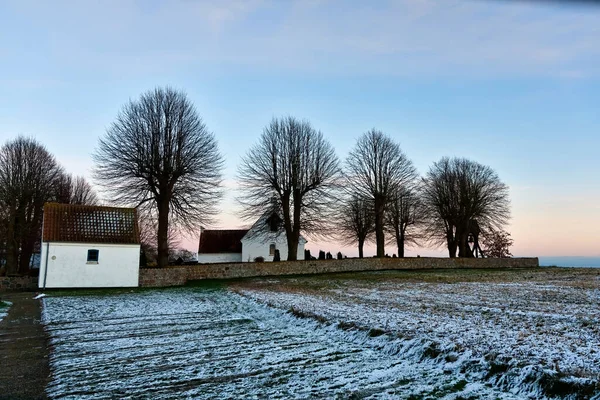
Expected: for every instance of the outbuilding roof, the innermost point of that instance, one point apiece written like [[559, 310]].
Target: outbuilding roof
[[90, 224], [221, 241]]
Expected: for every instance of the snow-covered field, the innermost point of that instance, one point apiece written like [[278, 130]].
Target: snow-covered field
[[200, 343], [533, 338], [373, 337]]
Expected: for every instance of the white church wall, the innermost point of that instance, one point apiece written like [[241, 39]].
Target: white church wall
[[259, 246]]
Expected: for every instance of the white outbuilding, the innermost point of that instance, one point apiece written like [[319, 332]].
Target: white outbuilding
[[89, 247], [261, 241]]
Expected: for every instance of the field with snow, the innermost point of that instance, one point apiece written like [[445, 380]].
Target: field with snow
[[407, 335]]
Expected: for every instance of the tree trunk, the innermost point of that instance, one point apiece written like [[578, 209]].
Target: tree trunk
[[163, 233], [399, 233], [451, 240], [379, 225], [464, 250], [32, 223], [12, 250], [294, 236], [452, 249], [25, 258], [361, 245], [292, 243], [400, 242]]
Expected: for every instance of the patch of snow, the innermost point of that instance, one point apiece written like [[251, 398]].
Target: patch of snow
[[4, 306], [199, 343], [39, 296]]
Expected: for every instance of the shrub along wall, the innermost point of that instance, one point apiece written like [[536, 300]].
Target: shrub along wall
[[178, 276]]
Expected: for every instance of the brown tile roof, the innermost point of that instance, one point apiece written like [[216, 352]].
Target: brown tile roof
[[221, 241], [90, 224]]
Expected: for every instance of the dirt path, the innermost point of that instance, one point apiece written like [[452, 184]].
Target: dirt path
[[23, 350]]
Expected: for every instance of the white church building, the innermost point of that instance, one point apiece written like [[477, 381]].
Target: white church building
[[246, 245]]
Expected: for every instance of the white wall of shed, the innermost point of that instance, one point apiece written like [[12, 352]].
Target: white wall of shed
[[67, 267]]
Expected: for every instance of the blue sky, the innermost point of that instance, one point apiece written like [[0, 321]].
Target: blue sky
[[511, 84]]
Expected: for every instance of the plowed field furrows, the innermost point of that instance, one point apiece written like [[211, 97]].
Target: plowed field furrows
[[534, 333], [199, 343]]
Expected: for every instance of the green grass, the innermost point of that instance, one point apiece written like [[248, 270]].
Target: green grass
[[92, 292], [577, 277], [207, 285]]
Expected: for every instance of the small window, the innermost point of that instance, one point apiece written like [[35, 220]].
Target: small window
[[272, 249], [92, 257]]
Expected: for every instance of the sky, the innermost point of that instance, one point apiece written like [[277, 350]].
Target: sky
[[511, 84]]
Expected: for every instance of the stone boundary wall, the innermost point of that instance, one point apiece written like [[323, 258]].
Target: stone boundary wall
[[178, 276], [163, 277], [16, 283]]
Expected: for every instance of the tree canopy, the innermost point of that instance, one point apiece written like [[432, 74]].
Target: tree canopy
[[457, 191], [376, 169], [292, 171], [159, 155]]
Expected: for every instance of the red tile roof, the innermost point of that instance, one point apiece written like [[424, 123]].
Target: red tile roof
[[90, 224], [221, 241]]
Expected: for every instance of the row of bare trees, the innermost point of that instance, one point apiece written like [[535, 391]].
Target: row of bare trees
[[29, 177], [159, 156], [377, 192], [456, 198]]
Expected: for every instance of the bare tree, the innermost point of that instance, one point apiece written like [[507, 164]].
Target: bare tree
[[356, 221], [496, 244], [458, 194], [158, 155], [28, 174], [403, 216], [377, 169], [72, 189], [292, 171]]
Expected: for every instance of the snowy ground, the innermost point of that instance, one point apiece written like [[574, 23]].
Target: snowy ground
[[377, 335], [4, 305], [535, 335], [200, 343]]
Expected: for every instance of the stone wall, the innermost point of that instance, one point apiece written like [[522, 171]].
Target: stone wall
[[177, 276], [15, 283], [163, 277]]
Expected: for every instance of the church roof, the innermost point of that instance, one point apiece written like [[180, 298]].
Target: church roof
[[221, 241], [90, 224]]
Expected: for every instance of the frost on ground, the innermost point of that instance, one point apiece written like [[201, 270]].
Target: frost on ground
[[530, 333], [4, 305], [213, 343]]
